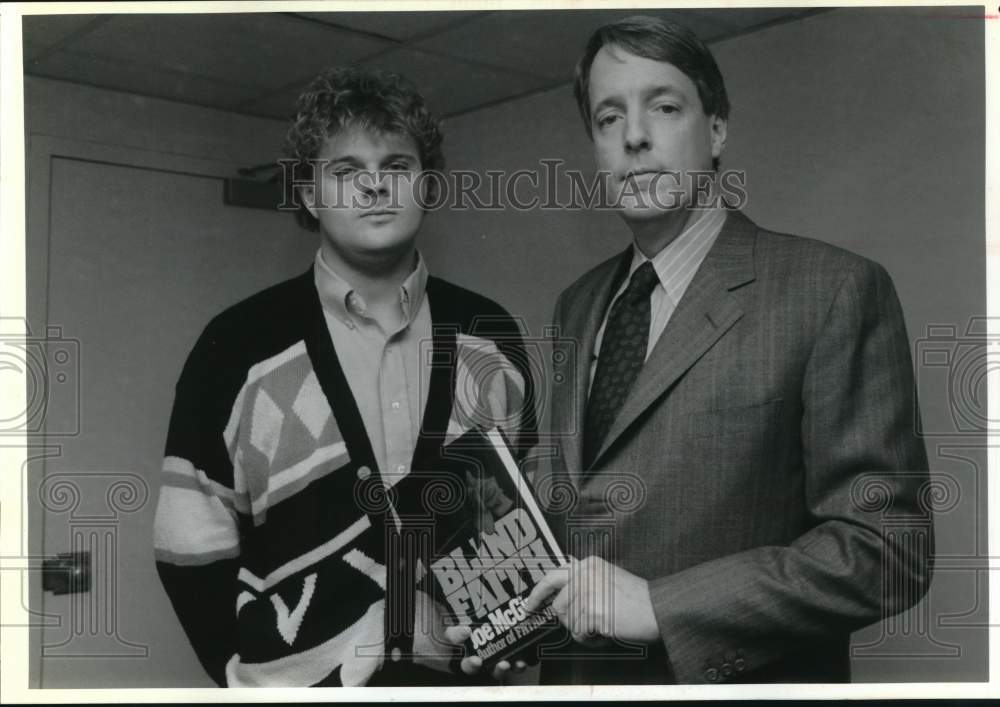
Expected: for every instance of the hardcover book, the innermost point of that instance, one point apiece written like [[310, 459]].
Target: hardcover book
[[492, 548]]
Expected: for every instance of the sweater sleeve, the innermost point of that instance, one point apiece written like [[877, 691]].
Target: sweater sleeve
[[197, 526]]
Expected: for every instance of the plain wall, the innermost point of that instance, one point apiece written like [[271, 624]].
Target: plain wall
[[864, 129]]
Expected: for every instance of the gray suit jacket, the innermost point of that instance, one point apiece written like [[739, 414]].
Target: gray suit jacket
[[764, 474]]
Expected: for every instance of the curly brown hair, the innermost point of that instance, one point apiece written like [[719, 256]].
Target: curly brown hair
[[376, 100]]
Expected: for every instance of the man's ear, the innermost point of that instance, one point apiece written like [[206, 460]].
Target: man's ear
[[719, 127]]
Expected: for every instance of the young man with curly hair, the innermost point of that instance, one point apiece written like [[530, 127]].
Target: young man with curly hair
[[301, 410]]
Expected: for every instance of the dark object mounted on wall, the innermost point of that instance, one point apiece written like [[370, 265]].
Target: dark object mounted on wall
[[254, 193], [66, 573]]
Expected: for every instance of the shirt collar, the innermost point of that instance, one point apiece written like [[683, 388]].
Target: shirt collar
[[677, 262], [340, 299]]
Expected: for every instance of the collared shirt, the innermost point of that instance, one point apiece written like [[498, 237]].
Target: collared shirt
[[675, 266], [385, 369]]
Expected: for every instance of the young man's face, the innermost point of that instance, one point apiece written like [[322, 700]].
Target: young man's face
[[364, 197], [647, 118]]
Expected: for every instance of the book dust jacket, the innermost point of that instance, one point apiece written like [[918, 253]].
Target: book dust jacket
[[492, 548]]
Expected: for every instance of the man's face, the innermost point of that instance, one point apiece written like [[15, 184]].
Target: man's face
[[364, 196], [647, 119]]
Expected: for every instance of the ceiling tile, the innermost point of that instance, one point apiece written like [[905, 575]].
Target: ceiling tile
[[542, 42], [135, 78], [30, 49], [39, 32], [451, 86], [397, 25], [741, 19], [264, 50], [259, 62]]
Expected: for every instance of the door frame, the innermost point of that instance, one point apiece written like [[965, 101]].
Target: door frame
[[41, 150]]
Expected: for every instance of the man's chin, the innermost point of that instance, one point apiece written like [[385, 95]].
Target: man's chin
[[388, 251], [389, 238]]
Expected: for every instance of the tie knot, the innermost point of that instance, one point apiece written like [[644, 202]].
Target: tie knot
[[644, 279]]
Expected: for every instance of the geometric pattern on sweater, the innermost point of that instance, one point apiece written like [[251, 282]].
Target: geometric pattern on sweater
[[276, 571], [314, 665], [282, 431], [343, 595], [292, 622]]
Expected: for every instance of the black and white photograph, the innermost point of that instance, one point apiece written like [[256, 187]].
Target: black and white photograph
[[680, 314]]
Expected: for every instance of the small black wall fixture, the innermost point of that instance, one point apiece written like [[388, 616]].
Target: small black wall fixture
[[67, 573], [253, 193]]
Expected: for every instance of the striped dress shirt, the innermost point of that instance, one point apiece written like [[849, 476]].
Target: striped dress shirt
[[675, 266]]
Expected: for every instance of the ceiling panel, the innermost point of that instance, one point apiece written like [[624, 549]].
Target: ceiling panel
[[140, 78], [397, 25], [30, 50], [258, 63], [737, 20], [263, 50], [39, 32], [545, 43], [451, 86]]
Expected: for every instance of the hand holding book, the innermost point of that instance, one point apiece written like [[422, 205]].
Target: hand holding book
[[472, 664], [489, 553], [596, 600]]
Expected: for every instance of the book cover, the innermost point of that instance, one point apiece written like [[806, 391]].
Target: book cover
[[492, 550]]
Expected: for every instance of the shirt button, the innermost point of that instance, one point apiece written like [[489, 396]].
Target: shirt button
[[396, 655], [364, 472], [401, 468], [711, 674], [395, 405]]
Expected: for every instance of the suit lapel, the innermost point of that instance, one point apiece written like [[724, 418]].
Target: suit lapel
[[705, 313], [582, 318]]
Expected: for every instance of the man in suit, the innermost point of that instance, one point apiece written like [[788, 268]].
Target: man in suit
[[746, 485]]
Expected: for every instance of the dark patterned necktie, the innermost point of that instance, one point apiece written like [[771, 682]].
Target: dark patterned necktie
[[623, 351]]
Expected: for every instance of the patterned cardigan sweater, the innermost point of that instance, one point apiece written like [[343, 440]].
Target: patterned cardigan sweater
[[272, 525]]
